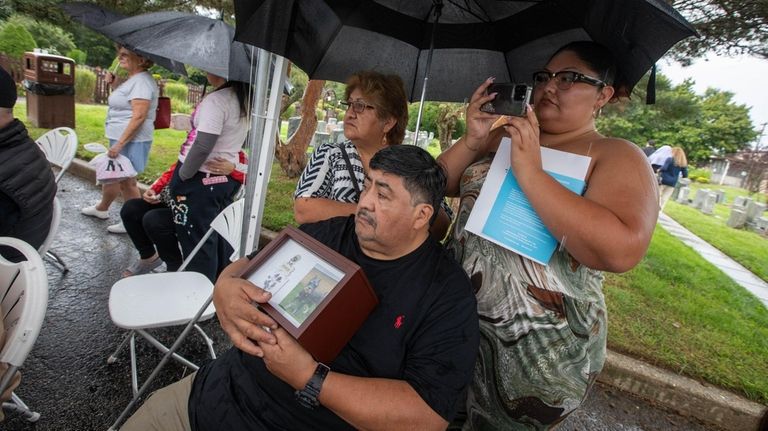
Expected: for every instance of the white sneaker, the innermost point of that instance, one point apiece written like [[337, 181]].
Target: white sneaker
[[116, 228], [93, 212]]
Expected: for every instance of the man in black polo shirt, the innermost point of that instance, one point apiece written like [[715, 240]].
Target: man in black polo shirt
[[407, 367]]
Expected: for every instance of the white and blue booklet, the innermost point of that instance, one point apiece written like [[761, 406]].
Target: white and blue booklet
[[502, 213]]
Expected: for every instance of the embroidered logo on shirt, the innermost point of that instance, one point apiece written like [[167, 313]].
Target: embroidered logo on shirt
[[399, 321]]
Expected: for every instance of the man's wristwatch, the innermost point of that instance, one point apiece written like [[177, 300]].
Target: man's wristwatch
[[307, 397]]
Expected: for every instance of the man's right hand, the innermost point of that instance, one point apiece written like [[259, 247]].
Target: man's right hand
[[235, 300]]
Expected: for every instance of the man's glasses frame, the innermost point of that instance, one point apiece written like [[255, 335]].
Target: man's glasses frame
[[565, 79], [358, 106]]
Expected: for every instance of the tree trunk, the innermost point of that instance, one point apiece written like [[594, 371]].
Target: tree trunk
[[446, 121], [293, 155]]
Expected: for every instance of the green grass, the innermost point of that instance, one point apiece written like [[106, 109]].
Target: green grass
[[746, 247], [677, 311]]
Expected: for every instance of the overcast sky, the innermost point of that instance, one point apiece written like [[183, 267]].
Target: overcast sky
[[746, 77]]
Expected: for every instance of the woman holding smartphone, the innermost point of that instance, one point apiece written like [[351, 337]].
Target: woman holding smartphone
[[543, 327]]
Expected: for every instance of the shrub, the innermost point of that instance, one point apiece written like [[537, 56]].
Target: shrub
[[180, 107], [700, 175], [77, 55], [46, 35], [15, 40], [85, 85], [176, 91]]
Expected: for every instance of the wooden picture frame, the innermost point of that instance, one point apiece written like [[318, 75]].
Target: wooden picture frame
[[319, 297]]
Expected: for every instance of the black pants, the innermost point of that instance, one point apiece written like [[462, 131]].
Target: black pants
[[196, 205], [151, 228]]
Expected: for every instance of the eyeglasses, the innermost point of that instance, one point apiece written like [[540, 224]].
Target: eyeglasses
[[565, 79], [357, 105]]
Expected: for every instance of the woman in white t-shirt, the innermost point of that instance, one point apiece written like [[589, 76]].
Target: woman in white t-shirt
[[129, 128], [198, 191]]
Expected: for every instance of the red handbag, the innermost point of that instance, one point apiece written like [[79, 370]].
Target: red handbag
[[163, 114]]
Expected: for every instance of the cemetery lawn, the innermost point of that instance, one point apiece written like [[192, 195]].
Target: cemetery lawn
[[679, 312], [674, 309], [744, 246]]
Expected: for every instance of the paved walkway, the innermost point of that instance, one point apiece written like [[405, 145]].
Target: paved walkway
[[730, 267]]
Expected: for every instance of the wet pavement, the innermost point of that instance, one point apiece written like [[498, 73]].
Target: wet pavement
[[66, 377]]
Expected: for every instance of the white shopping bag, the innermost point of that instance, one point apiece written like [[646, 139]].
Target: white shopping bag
[[109, 170]]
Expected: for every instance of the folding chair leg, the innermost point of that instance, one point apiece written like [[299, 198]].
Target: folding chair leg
[[17, 405], [168, 354], [113, 357], [57, 261], [208, 341]]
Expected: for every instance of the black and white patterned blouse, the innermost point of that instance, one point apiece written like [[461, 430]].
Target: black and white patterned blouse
[[327, 175]]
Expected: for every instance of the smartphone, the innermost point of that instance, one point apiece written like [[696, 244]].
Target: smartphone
[[511, 99]]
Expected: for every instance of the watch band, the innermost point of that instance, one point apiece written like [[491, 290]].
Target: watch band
[[307, 396]]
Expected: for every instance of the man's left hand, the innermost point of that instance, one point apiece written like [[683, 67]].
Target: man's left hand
[[288, 360]]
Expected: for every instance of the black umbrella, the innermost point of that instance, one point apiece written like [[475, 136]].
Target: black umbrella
[[194, 40], [474, 39], [96, 18]]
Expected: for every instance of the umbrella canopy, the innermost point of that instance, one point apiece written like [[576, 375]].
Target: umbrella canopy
[[194, 40], [97, 18], [473, 39]]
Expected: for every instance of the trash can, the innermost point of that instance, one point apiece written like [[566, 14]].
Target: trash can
[[50, 84]]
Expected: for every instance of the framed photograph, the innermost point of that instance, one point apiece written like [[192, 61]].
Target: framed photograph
[[320, 297]]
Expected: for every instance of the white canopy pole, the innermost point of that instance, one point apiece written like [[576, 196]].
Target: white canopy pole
[[265, 121]]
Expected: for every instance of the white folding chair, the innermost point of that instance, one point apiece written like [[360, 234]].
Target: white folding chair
[[44, 249], [165, 299], [60, 147], [24, 295]]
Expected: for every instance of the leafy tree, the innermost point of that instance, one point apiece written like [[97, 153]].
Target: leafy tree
[[15, 40], [702, 125], [726, 26], [79, 56], [46, 35], [430, 117]]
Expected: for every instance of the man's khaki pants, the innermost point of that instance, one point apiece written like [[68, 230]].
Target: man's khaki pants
[[165, 410]]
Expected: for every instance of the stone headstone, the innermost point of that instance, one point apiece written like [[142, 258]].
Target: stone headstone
[[319, 138], [761, 224], [701, 195], [740, 201], [321, 127], [337, 135], [293, 124], [682, 196], [737, 219], [684, 182], [720, 196], [755, 210], [708, 206], [181, 122]]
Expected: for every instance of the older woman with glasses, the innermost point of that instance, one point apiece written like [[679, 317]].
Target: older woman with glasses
[[543, 327], [376, 116]]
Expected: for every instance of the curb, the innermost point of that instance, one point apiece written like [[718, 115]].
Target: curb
[[679, 394], [682, 395]]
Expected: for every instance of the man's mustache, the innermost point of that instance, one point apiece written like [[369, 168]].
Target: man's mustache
[[366, 215]]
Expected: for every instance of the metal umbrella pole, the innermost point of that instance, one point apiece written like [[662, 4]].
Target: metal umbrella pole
[[265, 113], [438, 4]]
